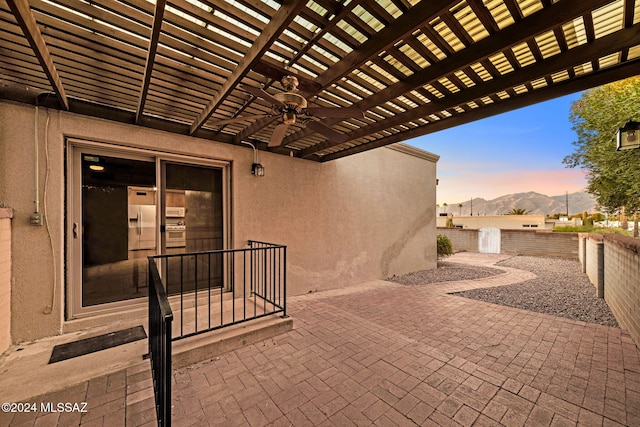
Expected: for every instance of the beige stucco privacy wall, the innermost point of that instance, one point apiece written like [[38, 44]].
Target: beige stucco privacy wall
[[360, 218], [5, 278]]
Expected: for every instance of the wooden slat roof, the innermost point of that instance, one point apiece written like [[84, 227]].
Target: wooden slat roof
[[414, 67]]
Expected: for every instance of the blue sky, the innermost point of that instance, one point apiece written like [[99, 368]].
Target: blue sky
[[514, 152]]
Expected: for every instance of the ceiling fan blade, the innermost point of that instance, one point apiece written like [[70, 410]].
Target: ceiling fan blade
[[278, 135], [260, 94], [238, 119], [338, 112], [331, 134]]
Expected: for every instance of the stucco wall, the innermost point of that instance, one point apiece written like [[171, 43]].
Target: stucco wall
[[5, 278], [33, 253], [356, 219]]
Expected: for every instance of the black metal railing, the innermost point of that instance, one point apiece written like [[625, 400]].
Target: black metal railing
[[160, 325], [210, 290], [268, 274]]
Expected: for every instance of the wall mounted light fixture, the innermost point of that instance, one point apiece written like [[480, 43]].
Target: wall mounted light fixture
[[256, 168], [628, 136]]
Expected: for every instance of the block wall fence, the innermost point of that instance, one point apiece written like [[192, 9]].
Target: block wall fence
[[518, 242], [612, 262], [462, 239]]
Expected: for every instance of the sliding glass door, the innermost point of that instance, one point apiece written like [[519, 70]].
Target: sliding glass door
[[125, 206], [193, 220]]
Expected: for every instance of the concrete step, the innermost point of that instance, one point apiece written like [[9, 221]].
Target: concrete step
[[26, 373], [208, 345]]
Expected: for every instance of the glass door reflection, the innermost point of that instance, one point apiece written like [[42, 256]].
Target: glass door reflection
[[118, 227], [192, 222]]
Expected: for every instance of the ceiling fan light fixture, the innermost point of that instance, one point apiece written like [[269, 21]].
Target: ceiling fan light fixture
[[291, 99], [288, 117], [290, 83], [291, 108]]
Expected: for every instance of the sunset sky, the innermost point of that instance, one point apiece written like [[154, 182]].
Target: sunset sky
[[515, 152]]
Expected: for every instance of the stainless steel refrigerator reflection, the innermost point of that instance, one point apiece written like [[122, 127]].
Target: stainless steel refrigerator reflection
[[142, 218]]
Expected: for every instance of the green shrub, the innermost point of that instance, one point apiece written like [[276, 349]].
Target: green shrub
[[445, 248]]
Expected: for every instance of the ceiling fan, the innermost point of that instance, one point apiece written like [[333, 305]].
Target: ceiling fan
[[292, 108]]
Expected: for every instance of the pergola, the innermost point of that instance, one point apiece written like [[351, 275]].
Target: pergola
[[411, 66]]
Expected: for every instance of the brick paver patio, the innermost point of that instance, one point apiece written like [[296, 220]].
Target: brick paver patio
[[394, 355], [117, 399], [388, 354]]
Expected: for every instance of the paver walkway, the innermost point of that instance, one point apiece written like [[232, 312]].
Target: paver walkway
[[117, 399], [393, 355]]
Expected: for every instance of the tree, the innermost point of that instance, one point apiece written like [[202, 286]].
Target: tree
[[612, 176], [518, 211]]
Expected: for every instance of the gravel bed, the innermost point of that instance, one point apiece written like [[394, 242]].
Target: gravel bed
[[560, 288], [446, 272]]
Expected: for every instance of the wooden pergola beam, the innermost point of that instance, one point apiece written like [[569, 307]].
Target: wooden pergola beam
[[27, 22], [151, 55], [401, 28], [611, 43], [515, 34], [280, 21], [567, 87]]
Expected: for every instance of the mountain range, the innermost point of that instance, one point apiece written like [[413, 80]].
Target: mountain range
[[534, 203]]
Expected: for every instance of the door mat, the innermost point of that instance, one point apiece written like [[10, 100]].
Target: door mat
[[101, 342]]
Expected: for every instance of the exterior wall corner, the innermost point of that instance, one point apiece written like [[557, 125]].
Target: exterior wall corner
[[6, 214]]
